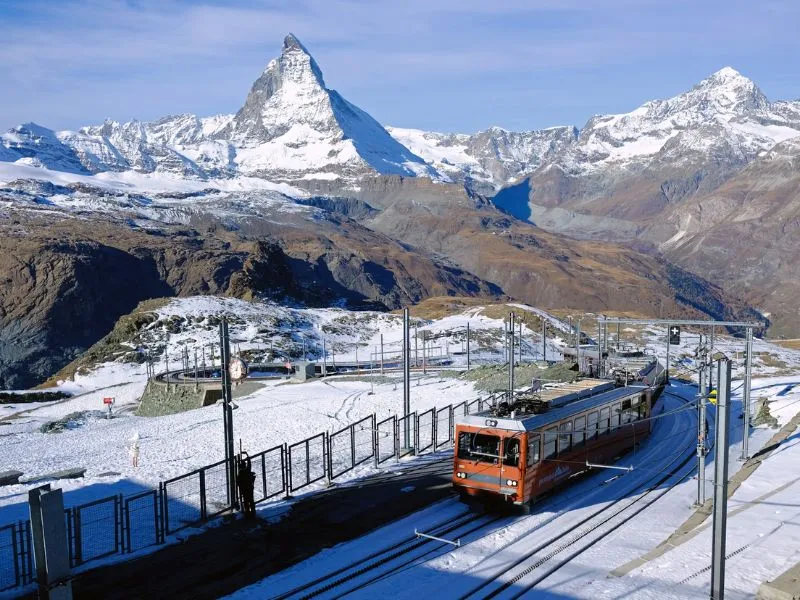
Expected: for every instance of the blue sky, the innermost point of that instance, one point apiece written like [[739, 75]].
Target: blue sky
[[447, 65]]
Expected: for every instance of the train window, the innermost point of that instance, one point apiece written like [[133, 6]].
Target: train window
[[591, 427], [511, 451], [615, 415], [550, 437], [604, 420], [643, 409], [626, 415], [533, 449], [564, 439], [579, 431], [478, 447]]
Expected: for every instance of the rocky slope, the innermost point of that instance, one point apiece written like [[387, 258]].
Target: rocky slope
[[531, 264], [745, 235], [74, 259]]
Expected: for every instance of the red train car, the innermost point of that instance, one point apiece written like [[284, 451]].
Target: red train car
[[517, 453]]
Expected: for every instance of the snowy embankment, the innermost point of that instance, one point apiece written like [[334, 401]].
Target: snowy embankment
[[277, 412]]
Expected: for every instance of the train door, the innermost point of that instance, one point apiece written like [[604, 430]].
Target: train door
[[510, 468]]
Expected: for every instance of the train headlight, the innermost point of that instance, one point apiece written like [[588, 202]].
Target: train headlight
[[461, 475], [511, 483]]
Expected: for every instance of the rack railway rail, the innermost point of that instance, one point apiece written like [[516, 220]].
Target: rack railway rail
[[535, 565]]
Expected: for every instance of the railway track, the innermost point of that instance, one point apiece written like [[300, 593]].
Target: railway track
[[540, 562], [389, 560]]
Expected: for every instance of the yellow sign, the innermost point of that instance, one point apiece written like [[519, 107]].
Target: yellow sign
[[712, 396]]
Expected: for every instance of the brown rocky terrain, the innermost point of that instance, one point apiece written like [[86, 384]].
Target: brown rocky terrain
[[745, 235], [533, 265], [67, 279]]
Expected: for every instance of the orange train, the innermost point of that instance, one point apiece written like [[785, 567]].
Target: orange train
[[517, 453]]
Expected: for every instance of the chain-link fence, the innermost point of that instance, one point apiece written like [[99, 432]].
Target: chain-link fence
[[97, 526], [426, 436], [182, 505], [142, 520], [444, 426], [307, 463], [270, 469], [216, 496], [10, 575], [386, 443]]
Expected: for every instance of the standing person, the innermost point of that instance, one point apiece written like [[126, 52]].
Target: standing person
[[246, 480], [134, 450]]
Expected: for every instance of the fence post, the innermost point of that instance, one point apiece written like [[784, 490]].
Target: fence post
[[416, 433], [203, 495], [397, 439], [375, 448], [288, 470], [434, 427], [119, 530], [77, 537], [451, 426], [352, 445], [164, 512]]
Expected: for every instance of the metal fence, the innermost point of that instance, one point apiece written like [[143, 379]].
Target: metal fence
[[426, 430], [307, 461], [118, 524]]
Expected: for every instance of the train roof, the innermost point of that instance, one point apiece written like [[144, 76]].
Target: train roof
[[530, 422]]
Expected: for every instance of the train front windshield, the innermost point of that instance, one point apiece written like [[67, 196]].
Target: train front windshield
[[481, 447]]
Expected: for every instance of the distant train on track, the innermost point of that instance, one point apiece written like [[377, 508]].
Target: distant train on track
[[517, 452]]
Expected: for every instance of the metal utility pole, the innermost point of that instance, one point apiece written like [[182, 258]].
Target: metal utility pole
[[166, 361], [406, 379], [304, 347], [195, 369], [227, 411], [544, 339], [511, 357], [701, 423], [578, 345], [381, 354], [468, 365], [712, 379], [748, 373], [666, 371], [358, 367], [617, 336], [519, 341], [721, 480], [416, 347], [599, 348], [324, 359]]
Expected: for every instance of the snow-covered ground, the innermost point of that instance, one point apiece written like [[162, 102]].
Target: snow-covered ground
[[767, 529], [281, 411]]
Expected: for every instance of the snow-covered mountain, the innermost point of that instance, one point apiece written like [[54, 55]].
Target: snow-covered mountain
[[492, 157], [724, 110], [291, 127]]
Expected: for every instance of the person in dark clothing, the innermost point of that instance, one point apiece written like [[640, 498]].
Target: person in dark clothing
[[246, 479]]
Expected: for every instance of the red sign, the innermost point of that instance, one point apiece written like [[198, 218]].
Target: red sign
[[108, 401]]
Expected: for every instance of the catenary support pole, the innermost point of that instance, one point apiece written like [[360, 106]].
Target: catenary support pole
[[720, 480], [702, 392], [666, 370], [416, 347], [511, 353], [324, 359], [406, 379], [578, 345], [381, 354], [748, 374], [617, 336], [227, 410], [599, 349], [468, 362], [544, 339]]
